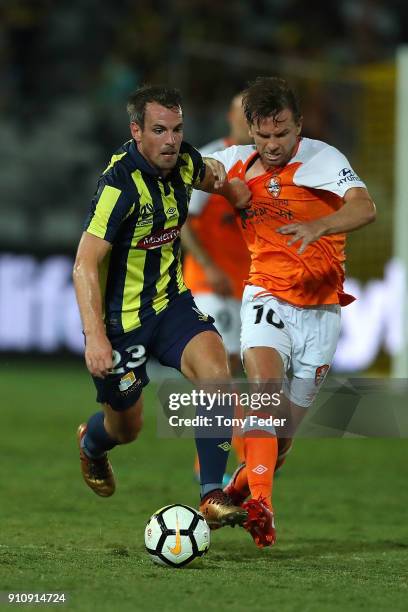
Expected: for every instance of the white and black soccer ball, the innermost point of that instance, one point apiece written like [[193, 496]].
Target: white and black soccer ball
[[176, 535]]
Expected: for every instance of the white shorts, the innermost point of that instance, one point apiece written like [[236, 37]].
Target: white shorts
[[305, 338], [226, 312]]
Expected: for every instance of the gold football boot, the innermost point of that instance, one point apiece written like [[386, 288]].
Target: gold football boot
[[218, 510], [97, 473]]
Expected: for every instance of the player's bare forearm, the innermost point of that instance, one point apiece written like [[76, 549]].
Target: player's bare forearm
[[357, 211], [86, 283], [98, 350]]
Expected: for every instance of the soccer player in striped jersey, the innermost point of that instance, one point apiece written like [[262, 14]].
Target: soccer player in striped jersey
[[131, 294], [305, 199]]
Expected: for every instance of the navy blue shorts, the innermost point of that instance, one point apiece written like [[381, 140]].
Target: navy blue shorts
[[163, 336]]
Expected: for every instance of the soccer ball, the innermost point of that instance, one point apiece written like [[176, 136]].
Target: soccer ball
[[176, 535]]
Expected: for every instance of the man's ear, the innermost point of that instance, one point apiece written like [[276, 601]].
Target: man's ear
[[136, 131], [299, 126]]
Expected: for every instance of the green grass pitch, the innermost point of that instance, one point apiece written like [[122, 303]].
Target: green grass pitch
[[341, 509]]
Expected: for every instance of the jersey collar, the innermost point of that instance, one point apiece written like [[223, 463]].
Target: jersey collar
[[142, 164]]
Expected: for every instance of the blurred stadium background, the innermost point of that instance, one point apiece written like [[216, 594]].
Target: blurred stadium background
[[67, 68]]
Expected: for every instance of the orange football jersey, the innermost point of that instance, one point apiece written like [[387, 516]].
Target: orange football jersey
[[311, 185]]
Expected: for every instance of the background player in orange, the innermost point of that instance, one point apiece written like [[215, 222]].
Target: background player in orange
[[216, 262], [305, 198]]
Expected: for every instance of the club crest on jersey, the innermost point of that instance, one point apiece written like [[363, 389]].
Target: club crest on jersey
[[146, 210], [320, 374], [274, 186]]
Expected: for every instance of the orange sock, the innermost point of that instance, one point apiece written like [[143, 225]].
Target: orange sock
[[261, 451], [238, 446], [241, 482]]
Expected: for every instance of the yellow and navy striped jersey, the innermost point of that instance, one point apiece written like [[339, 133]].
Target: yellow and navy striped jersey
[[141, 213]]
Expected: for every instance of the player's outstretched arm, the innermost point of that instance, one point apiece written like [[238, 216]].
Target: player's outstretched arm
[[357, 211], [98, 350]]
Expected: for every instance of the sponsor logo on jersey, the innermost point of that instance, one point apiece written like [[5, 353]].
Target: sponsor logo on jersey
[[256, 214], [320, 374], [250, 215], [127, 381], [347, 176], [156, 240], [274, 186]]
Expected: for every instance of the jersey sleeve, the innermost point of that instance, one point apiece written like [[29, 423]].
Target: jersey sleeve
[[329, 170], [198, 166], [110, 206], [231, 155]]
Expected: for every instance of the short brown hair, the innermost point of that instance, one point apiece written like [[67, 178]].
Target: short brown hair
[[136, 106], [267, 97]]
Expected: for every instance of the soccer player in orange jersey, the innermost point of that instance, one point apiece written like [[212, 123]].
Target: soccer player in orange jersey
[[216, 262], [305, 199]]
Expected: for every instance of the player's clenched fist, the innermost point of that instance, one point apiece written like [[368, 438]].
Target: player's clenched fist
[[241, 193]]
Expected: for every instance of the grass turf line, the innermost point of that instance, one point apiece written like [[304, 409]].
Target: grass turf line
[[340, 504]]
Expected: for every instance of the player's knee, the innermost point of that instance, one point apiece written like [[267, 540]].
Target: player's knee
[[208, 371], [215, 367], [217, 370], [205, 358]]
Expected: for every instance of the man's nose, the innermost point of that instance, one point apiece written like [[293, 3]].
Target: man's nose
[[273, 143], [171, 138]]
